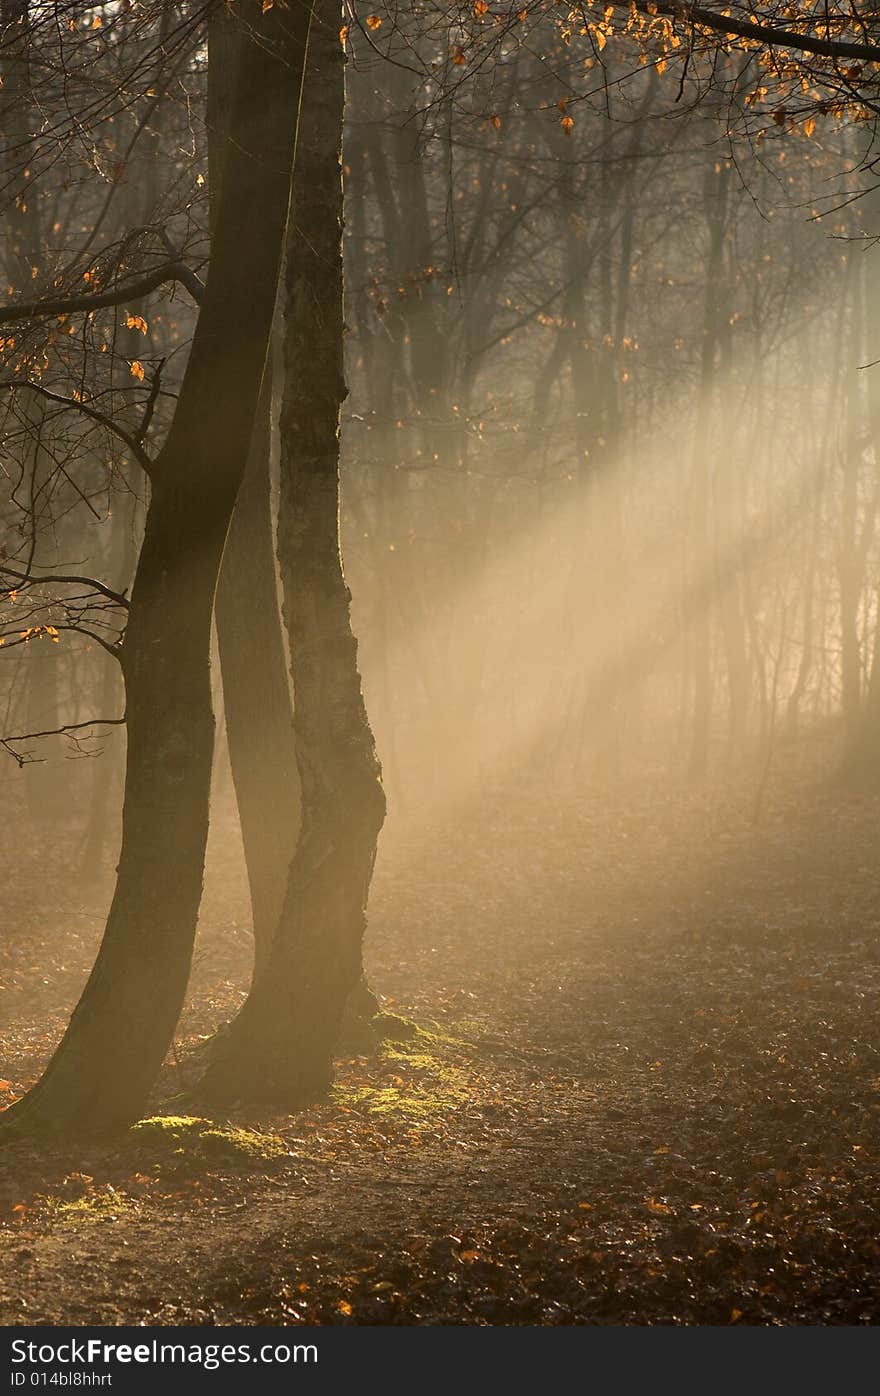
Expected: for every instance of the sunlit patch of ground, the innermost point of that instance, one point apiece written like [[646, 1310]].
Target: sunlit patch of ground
[[643, 1087]]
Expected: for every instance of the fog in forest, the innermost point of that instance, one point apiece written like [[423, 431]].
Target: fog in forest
[[608, 472], [608, 488]]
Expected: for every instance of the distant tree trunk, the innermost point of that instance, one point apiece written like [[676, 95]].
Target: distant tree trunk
[[849, 563], [861, 759], [46, 782], [105, 773], [796, 695], [862, 762], [107, 769], [728, 505], [715, 194], [101, 1074], [280, 1045]]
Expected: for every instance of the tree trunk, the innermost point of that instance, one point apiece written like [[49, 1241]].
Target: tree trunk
[[101, 1074], [256, 690], [860, 765], [107, 770], [280, 1045], [728, 510], [715, 195], [46, 784]]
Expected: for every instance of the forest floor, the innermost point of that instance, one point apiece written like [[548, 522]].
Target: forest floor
[[646, 1086]]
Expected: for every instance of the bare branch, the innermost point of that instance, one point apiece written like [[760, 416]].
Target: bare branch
[[132, 291], [65, 729], [144, 460], [725, 23], [150, 408], [28, 579], [113, 647]]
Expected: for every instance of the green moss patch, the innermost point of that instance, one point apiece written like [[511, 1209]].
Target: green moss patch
[[420, 1086], [105, 1204], [186, 1143]]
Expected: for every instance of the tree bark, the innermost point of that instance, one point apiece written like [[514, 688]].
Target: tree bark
[[256, 690], [281, 1044], [101, 1074]]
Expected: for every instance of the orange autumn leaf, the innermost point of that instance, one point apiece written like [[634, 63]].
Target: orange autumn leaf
[[137, 370]]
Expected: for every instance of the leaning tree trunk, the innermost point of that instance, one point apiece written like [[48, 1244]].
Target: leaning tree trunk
[[281, 1043], [102, 1072]]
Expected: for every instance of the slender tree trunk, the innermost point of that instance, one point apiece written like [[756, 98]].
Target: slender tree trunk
[[256, 690], [257, 707], [45, 782], [378, 356], [101, 1074], [728, 510], [715, 191], [107, 769], [805, 666], [105, 776], [861, 762], [280, 1045], [849, 570]]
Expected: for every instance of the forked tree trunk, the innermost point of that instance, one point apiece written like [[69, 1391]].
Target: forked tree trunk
[[280, 1045], [101, 1074]]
